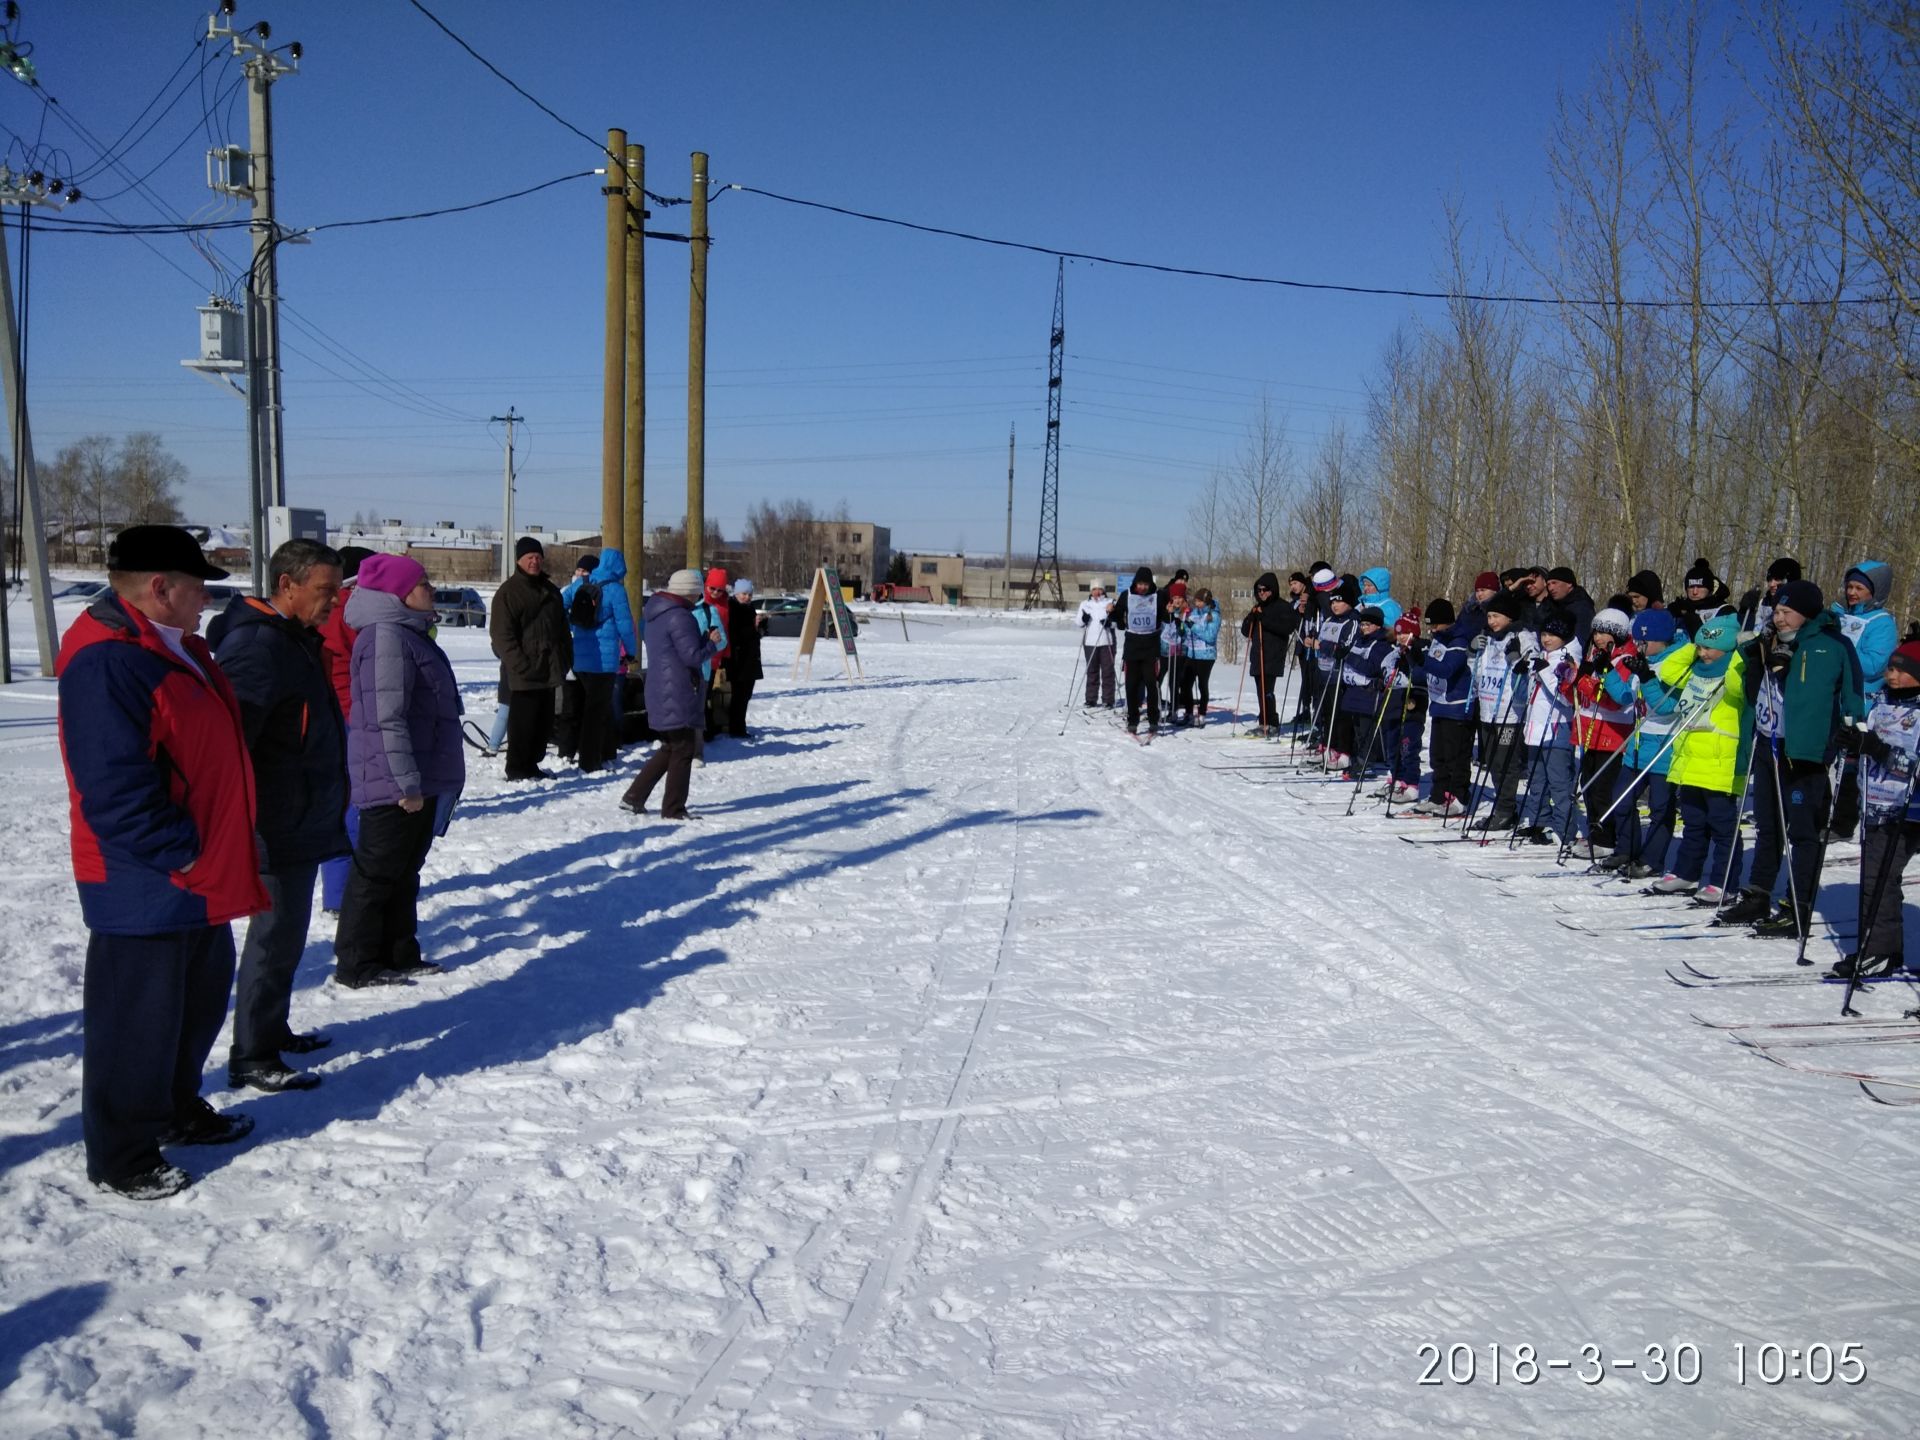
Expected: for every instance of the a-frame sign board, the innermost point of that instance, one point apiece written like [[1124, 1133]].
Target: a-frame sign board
[[825, 600]]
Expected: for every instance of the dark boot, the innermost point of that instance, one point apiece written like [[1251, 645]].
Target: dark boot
[[1866, 967], [1749, 909], [1786, 923]]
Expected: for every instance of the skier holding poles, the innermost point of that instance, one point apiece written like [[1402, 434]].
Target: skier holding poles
[[1889, 766], [1709, 757], [1446, 663], [1143, 611], [1550, 737], [1638, 854], [1805, 684], [1338, 631], [1268, 627], [1495, 690], [1096, 645], [1363, 677]]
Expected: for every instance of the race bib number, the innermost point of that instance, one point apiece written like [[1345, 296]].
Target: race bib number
[[1768, 708], [1143, 614]]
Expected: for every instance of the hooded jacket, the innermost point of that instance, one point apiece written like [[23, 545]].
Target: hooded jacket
[[1096, 623], [1203, 632], [295, 732], [1871, 627], [1268, 627], [336, 638], [530, 632], [404, 737], [676, 652], [1448, 666], [1822, 689], [158, 779], [1139, 618], [1714, 728], [597, 649], [1381, 579]]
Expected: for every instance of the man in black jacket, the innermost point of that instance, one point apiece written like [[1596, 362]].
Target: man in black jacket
[[535, 645], [1269, 626], [272, 655], [1565, 596], [1138, 616]]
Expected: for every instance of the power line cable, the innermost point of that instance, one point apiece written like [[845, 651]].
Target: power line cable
[[1292, 284], [513, 85]]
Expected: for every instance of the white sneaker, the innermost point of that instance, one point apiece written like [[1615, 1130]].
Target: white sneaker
[[1671, 884], [1709, 895], [1453, 809], [1404, 791], [699, 762]]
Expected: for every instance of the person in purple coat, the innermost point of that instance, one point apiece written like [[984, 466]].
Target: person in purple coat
[[405, 768], [675, 694]]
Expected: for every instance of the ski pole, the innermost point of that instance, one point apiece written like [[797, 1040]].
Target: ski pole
[[1804, 922], [1683, 719], [1533, 761], [1066, 712], [1484, 771], [1869, 917], [1406, 704], [1246, 663]]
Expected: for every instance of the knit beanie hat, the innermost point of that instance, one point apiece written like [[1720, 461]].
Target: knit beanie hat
[[1440, 611], [1296, 575], [1722, 632], [1613, 622], [1324, 580], [1504, 604], [1801, 596], [1564, 574], [685, 584], [526, 545], [1648, 584], [1700, 573], [1177, 590], [743, 587], [1408, 624], [1350, 589], [1785, 568], [1653, 625], [1372, 615], [1559, 625], [391, 574], [1486, 580], [716, 579], [1906, 659]]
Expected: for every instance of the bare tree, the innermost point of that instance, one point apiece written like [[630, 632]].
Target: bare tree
[[1258, 485], [147, 481]]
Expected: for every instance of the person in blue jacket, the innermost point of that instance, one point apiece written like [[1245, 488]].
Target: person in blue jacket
[[1873, 632], [1363, 667], [1196, 667], [1640, 851], [601, 652], [1376, 589], [1446, 660]]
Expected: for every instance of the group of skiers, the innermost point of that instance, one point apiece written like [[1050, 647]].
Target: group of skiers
[[1167, 637], [1638, 732]]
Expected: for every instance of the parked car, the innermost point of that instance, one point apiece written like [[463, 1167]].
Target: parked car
[[460, 605], [74, 589], [224, 593], [786, 614]]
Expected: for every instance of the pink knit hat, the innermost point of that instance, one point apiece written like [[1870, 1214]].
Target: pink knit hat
[[395, 574]]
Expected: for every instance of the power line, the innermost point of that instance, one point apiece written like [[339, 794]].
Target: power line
[[513, 85], [1291, 284]]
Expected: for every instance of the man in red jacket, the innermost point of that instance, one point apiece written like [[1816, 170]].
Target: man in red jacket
[[164, 854]]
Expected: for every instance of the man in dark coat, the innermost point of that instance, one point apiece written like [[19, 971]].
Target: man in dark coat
[[1269, 626], [1138, 615], [274, 656], [744, 627], [535, 645], [1566, 597], [163, 854], [675, 694]]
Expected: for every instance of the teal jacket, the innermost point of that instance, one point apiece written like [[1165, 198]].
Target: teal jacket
[[1821, 690]]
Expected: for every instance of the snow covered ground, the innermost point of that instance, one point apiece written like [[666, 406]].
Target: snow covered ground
[[962, 1077]]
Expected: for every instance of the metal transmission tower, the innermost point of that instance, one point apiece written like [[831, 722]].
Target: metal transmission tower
[[1046, 556]]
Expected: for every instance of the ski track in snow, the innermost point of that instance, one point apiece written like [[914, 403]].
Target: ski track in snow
[[969, 1070]]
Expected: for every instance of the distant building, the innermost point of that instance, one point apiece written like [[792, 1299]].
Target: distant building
[[944, 575], [858, 549]]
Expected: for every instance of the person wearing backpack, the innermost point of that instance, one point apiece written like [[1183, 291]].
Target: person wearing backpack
[[604, 641]]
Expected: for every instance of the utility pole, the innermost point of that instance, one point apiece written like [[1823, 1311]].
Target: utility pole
[[264, 408], [635, 212], [613, 392], [25, 191], [697, 374], [506, 509], [1006, 575]]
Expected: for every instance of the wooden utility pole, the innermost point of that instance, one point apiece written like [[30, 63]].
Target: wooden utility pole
[[1006, 575], [613, 394], [636, 516], [697, 374]]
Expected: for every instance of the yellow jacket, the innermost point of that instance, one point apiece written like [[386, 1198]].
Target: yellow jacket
[[1715, 741]]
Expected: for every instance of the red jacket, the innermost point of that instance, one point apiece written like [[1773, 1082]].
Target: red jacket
[[336, 638], [1605, 724], [159, 779]]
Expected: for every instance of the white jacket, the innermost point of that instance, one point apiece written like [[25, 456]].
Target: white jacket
[[1096, 623]]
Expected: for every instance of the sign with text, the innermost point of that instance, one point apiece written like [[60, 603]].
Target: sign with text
[[826, 602]]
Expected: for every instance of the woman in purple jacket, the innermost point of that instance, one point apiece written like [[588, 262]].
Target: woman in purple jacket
[[404, 765], [675, 693]]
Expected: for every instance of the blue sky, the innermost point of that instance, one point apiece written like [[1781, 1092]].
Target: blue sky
[[847, 360]]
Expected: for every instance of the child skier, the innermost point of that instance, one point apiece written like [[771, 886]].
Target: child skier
[[1203, 638], [1445, 661], [1604, 722], [1889, 762], [1709, 768], [1338, 630], [1549, 677], [1498, 694], [1141, 612], [1363, 682], [1406, 714], [1640, 853]]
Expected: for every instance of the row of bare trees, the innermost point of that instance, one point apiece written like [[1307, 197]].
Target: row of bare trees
[[97, 485], [1721, 356]]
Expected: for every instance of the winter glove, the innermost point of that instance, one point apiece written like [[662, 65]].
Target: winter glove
[[1852, 741], [1639, 667], [1085, 621], [1513, 647], [1778, 663], [1536, 663], [1873, 748], [1478, 643]]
